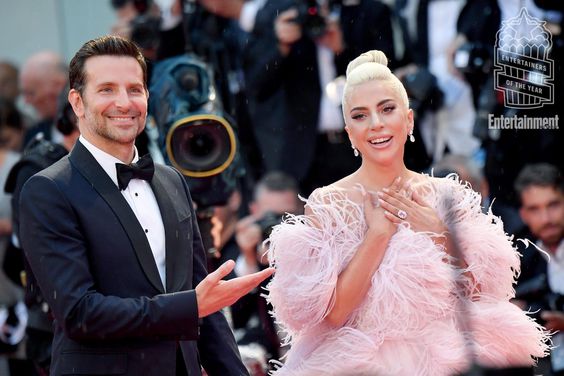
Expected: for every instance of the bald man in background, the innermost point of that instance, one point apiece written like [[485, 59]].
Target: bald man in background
[[42, 78]]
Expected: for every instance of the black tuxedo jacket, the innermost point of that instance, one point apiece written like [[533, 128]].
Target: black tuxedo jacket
[[95, 267]]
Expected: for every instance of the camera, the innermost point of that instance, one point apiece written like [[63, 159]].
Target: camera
[[194, 135], [311, 19], [267, 222], [473, 58], [423, 91]]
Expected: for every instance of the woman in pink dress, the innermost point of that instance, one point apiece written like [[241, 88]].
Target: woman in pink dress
[[391, 272]]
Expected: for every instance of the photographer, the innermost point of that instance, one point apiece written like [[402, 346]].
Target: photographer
[[294, 54], [274, 195], [442, 101], [540, 286], [136, 21]]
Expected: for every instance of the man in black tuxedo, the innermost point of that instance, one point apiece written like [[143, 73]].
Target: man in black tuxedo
[[114, 244]]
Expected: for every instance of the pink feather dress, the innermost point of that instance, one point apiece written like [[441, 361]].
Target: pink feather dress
[[415, 318]]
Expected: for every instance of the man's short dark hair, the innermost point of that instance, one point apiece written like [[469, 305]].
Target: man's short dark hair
[[539, 174], [108, 45], [276, 181]]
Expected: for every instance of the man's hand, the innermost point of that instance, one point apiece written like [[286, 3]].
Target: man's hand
[[213, 293], [554, 320]]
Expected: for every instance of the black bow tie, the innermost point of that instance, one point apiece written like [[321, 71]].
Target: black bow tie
[[142, 169]]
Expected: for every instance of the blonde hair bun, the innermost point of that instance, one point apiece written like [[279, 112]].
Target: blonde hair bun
[[373, 56], [370, 66]]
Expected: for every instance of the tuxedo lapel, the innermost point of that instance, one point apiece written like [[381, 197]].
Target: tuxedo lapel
[[176, 272], [87, 165]]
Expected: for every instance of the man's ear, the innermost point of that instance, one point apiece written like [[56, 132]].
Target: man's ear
[[75, 100]]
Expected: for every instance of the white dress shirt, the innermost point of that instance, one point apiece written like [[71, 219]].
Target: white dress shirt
[[142, 201]]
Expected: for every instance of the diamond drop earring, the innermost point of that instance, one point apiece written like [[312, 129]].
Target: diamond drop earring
[[411, 136], [355, 151]]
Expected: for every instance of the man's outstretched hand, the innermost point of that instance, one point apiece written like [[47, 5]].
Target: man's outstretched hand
[[213, 293]]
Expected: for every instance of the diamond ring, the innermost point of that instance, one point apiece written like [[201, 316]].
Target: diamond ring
[[402, 214]]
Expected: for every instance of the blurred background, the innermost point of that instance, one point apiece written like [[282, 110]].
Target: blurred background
[[28, 26]]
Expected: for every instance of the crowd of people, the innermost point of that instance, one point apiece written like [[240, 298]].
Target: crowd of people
[[280, 69]]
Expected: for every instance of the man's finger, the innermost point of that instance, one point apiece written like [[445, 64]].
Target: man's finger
[[258, 277], [221, 272], [251, 281]]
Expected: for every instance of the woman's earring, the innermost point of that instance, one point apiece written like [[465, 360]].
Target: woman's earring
[[411, 136], [355, 151]]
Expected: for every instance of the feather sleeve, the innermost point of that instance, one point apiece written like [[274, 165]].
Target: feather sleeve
[[486, 248], [309, 252]]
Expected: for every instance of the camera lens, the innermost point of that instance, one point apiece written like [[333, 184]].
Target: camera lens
[[187, 79], [201, 145]]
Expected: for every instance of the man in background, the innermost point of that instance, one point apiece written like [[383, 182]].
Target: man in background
[[540, 286], [42, 78], [275, 195]]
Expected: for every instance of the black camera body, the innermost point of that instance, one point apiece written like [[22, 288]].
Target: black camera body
[[423, 90], [194, 134], [473, 58], [267, 222], [311, 19]]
